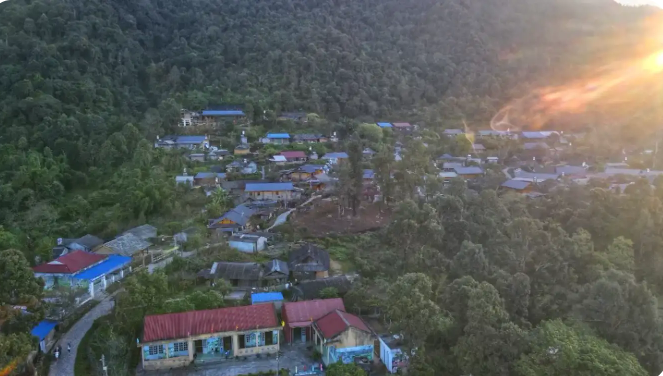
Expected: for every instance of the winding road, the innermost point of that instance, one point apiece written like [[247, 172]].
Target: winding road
[[65, 365]]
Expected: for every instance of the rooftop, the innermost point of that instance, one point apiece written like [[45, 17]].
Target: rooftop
[[402, 125], [384, 125], [102, 268], [247, 271], [369, 174], [263, 297], [293, 154], [311, 168], [308, 258], [311, 289], [278, 135], [310, 310], [269, 187], [89, 241], [144, 232], [192, 323], [516, 184], [472, 170], [69, 263], [43, 328], [278, 158], [453, 131], [337, 155], [127, 244], [337, 321], [223, 113]]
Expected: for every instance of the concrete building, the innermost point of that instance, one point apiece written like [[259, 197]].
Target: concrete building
[[391, 353], [172, 340], [340, 336], [271, 191], [247, 243], [299, 317], [91, 271]]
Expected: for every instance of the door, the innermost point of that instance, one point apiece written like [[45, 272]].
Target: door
[[304, 330], [199, 345]]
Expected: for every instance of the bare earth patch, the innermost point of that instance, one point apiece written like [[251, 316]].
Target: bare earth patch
[[323, 219]]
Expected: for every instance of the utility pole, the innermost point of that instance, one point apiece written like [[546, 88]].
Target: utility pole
[[103, 365], [278, 370]]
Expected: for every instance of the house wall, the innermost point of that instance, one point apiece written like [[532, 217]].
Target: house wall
[[241, 151], [171, 359], [393, 359], [346, 346], [274, 195], [248, 247]]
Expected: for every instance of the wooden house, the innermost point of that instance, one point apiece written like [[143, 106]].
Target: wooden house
[[309, 262], [307, 172]]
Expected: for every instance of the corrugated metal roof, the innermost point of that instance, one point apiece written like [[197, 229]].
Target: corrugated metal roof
[[516, 184], [269, 187], [311, 168], [384, 125], [369, 174], [70, 263], [310, 310], [535, 135], [111, 263], [278, 158], [190, 139], [192, 323], [472, 170], [402, 125], [127, 244], [535, 145], [262, 297], [478, 147], [43, 328], [336, 155], [337, 321], [293, 154], [278, 135], [206, 175], [223, 113]]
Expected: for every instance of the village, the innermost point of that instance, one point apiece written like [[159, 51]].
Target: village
[[286, 307]]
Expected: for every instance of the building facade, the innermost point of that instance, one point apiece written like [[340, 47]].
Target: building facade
[[175, 340]]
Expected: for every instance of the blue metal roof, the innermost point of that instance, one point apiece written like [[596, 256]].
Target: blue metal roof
[[369, 174], [261, 187], [384, 125], [472, 170], [535, 135], [223, 113], [43, 328], [263, 297], [335, 155], [190, 139], [516, 184], [311, 168], [110, 264], [206, 175], [278, 135]]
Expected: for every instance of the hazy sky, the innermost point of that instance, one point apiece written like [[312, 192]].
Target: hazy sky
[[658, 3]]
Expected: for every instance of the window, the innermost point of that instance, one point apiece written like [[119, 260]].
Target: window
[[157, 349], [269, 338], [241, 339], [181, 346]]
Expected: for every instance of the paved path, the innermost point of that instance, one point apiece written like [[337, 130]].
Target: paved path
[[65, 365], [284, 216]]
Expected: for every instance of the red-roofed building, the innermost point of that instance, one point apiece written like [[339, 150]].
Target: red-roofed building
[[342, 336], [294, 156], [299, 317], [402, 127], [171, 340], [69, 263]]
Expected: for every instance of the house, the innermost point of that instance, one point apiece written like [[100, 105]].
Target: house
[[276, 272], [342, 337], [492, 160], [232, 221], [182, 142], [336, 158], [175, 339], [453, 132], [214, 115], [294, 156], [368, 153], [242, 149], [91, 271], [534, 176], [276, 139], [478, 148], [369, 176], [196, 157], [45, 331], [521, 186], [392, 353], [295, 116], [86, 243], [571, 171], [307, 172], [450, 166], [470, 172], [278, 160], [271, 191], [208, 179], [403, 127], [539, 135], [246, 275], [299, 317], [247, 243], [308, 290], [217, 155], [145, 232], [236, 187], [128, 245], [447, 176], [242, 166], [309, 262], [275, 298], [308, 138], [384, 125], [184, 180]]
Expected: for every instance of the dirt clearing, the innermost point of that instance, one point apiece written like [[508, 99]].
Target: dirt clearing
[[323, 219]]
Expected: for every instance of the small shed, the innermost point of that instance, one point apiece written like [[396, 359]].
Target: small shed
[[45, 331], [247, 243], [268, 297]]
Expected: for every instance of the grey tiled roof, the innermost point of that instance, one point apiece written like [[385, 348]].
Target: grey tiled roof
[[127, 245], [144, 232]]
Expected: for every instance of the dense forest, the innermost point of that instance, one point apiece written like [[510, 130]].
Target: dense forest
[[86, 86]]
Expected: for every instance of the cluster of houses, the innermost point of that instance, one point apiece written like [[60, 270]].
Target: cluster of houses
[[175, 340]]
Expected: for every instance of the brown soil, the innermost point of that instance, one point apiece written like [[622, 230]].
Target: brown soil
[[323, 219]]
